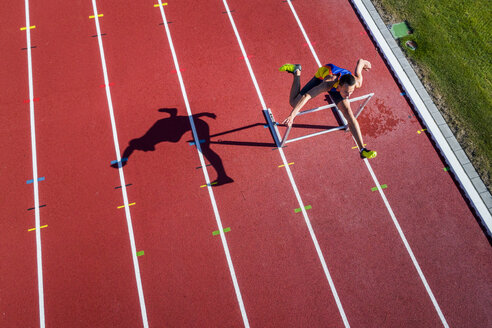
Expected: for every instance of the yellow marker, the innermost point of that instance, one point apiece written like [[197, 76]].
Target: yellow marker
[[213, 183], [39, 228], [287, 164], [30, 27], [358, 146], [164, 4], [100, 15], [128, 205], [420, 131]]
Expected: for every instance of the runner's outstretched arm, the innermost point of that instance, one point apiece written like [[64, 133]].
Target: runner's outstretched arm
[[362, 64], [290, 119]]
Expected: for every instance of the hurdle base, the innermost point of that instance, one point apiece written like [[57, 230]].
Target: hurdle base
[[272, 126]]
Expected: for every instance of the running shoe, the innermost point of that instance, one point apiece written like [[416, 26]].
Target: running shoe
[[291, 68], [364, 153]]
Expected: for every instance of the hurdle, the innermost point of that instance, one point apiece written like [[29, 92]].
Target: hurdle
[[281, 141]]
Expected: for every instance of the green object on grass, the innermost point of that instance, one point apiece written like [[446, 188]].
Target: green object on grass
[[412, 45], [140, 253], [399, 30]]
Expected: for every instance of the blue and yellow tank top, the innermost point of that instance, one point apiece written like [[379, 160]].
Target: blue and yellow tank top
[[330, 69]]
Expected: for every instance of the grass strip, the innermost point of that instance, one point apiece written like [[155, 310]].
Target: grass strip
[[454, 49]]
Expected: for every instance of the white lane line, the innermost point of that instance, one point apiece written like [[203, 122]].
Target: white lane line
[[390, 211], [205, 173], [120, 171], [291, 178], [35, 173], [407, 245], [304, 33]]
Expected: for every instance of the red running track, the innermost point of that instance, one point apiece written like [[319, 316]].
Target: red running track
[[89, 278]]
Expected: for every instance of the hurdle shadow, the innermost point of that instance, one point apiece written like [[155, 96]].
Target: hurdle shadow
[[273, 144], [241, 143], [171, 129], [255, 143], [311, 126]]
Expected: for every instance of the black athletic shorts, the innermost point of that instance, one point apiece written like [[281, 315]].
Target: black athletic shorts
[[316, 86]]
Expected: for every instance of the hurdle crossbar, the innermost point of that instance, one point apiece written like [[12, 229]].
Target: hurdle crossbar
[[285, 139]]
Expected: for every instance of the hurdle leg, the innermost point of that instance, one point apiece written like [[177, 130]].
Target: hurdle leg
[[361, 107], [284, 139], [345, 123], [340, 115]]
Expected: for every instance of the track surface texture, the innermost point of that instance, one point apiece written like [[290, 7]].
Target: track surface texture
[[340, 262]]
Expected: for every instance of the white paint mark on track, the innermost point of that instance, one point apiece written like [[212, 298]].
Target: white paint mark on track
[[289, 173], [205, 173], [120, 171], [35, 173]]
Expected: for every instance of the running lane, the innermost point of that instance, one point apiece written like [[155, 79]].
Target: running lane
[[378, 281], [18, 275], [88, 272], [184, 271], [279, 273], [451, 248]]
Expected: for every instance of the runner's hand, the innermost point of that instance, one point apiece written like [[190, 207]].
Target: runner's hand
[[288, 121], [367, 66]]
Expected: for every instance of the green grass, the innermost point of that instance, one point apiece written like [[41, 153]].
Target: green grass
[[455, 55]]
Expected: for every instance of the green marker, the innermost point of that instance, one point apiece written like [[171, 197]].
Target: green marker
[[140, 253], [308, 207], [382, 187], [216, 232]]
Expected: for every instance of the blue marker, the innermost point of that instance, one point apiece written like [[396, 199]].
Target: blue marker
[[192, 143], [31, 181]]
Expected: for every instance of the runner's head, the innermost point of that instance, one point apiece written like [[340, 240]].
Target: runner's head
[[346, 85]]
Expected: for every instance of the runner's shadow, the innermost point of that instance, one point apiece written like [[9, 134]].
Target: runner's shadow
[[171, 129]]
